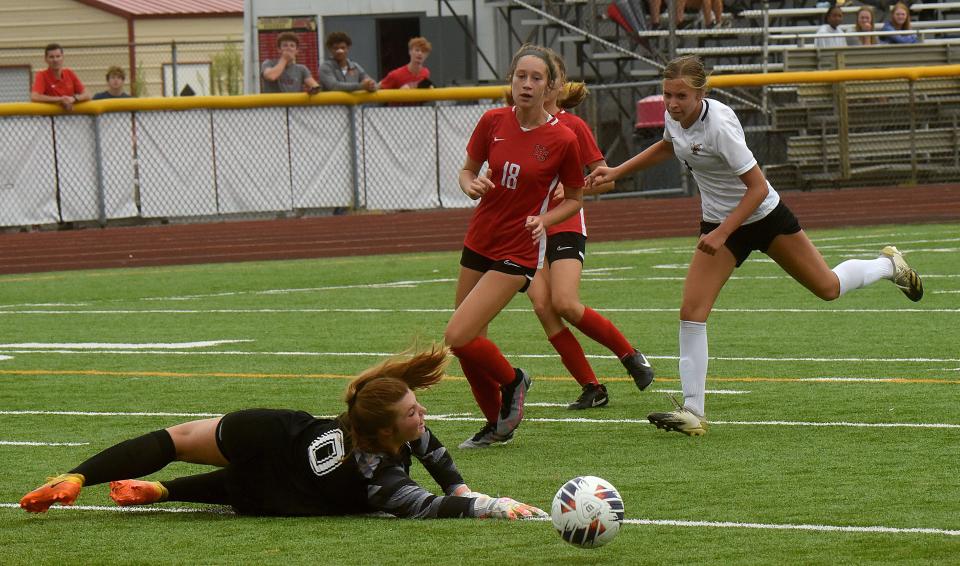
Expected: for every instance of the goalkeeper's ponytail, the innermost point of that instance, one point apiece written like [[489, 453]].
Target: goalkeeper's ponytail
[[371, 396]]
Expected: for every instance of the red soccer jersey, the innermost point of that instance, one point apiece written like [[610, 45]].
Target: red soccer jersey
[[589, 153], [401, 76], [47, 83], [526, 167]]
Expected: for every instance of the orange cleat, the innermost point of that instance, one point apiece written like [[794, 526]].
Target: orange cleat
[[62, 489], [136, 492]]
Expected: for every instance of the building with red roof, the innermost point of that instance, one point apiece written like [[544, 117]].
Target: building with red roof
[[136, 35]]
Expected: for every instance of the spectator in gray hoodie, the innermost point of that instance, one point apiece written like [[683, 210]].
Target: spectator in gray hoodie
[[339, 72]]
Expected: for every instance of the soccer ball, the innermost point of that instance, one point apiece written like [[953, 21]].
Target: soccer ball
[[587, 511]]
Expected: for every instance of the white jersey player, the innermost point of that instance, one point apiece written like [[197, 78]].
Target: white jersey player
[[741, 213]]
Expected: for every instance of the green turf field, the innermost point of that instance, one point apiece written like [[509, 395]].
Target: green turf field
[[828, 419]]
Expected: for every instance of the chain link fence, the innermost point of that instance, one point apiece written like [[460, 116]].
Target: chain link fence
[[269, 160], [214, 163]]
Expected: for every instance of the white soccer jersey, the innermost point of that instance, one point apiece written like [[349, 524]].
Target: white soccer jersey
[[715, 151]]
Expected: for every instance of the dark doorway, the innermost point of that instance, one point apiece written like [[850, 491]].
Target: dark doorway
[[392, 37]]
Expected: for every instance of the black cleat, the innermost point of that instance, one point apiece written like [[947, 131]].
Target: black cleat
[[593, 395], [486, 437], [512, 398], [639, 369]]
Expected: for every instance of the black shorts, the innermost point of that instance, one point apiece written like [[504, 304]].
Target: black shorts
[[566, 245], [261, 477], [758, 235], [472, 260], [245, 435]]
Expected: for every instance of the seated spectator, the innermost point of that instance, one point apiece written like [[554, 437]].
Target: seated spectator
[[833, 19], [716, 18], [115, 79], [284, 74], [899, 21], [864, 24], [712, 12], [339, 72], [57, 83], [413, 73]]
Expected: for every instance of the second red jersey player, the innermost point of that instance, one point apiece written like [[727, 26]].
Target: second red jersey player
[[555, 290]]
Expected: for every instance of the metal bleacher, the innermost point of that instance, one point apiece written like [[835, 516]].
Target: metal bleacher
[[834, 134]]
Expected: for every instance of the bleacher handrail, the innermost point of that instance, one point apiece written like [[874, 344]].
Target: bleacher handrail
[[788, 12], [920, 32], [742, 31], [939, 6], [833, 76]]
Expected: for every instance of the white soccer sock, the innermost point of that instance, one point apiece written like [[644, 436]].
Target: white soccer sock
[[856, 273], [693, 364]]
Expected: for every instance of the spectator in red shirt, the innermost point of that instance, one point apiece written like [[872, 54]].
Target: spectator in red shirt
[[413, 73], [57, 83]]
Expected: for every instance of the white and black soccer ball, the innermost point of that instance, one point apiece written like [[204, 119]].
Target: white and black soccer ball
[[587, 511]]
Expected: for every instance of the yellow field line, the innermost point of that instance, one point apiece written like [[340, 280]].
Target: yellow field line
[[102, 373]]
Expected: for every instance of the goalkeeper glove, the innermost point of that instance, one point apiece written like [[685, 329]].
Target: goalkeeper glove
[[504, 508]]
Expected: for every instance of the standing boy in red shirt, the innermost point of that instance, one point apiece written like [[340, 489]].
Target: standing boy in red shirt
[[413, 73]]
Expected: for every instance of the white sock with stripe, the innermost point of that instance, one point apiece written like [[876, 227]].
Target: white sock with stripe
[[856, 273], [693, 364]]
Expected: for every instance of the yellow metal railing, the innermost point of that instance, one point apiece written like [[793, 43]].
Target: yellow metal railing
[[255, 101]]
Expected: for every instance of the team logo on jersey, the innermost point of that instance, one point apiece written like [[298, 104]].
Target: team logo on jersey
[[540, 152], [696, 148]]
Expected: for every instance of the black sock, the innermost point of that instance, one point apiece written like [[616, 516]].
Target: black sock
[[201, 488], [130, 459]]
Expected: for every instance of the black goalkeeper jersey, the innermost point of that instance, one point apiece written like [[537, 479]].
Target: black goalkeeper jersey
[[291, 463]]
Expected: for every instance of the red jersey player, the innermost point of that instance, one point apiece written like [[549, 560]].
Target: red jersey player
[[528, 153], [555, 289]]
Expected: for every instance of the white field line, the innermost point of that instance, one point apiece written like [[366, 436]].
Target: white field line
[[108, 345], [450, 310], [394, 284], [656, 522], [143, 509], [45, 305], [606, 269], [709, 391], [387, 285], [110, 414], [585, 420], [775, 526], [872, 252], [5, 358], [510, 355], [879, 242], [30, 443], [466, 417]]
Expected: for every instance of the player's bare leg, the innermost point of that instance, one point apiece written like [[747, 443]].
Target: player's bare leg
[[797, 255], [196, 442]]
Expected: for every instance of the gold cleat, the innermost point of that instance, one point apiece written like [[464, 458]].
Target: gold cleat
[[904, 277], [679, 420]]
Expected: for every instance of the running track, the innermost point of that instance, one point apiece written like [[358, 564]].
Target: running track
[[436, 230]]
